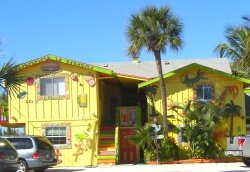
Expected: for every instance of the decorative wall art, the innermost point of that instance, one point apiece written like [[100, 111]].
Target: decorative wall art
[[83, 142], [74, 77], [186, 79], [51, 67], [29, 81], [82, 100], [171, 105], [150, 93], [233, 90], [58, 154], [90, 79], [22, 94]]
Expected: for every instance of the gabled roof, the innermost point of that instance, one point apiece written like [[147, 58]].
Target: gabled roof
[[148, 70], [65, 61], [197, 66]]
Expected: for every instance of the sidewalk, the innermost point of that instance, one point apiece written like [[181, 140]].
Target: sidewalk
[[196, 167]]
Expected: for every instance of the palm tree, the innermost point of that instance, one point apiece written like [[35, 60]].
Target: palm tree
[[231, 110], [155, 29], [142, 137], [238, 46], [10, 78]]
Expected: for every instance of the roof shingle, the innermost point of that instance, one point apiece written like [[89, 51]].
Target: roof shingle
[[147, 69]]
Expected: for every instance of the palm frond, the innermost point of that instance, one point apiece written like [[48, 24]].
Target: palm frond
[[10, 77], [154, 28]]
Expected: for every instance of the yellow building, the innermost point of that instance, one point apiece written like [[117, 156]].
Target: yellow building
[[75, 105], [88, 110], [199, 83]]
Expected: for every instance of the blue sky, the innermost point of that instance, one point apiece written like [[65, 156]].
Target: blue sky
[[94, 31]]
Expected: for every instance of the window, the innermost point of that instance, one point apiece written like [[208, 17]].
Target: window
[[12, 130], [58, 134], [43, 143], [52, 86], [21, 143], [203, 93]]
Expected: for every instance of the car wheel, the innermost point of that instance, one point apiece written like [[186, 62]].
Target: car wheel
[[23, 167], [40, 170], [246, 161]]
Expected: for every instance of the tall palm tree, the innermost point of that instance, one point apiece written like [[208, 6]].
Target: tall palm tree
[[238, 46], [231, 110], [155, 29], [10, 78]]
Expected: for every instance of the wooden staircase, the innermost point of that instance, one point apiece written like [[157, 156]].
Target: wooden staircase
[[106, 153]]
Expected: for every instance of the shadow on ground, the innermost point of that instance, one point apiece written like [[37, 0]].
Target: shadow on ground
[[65, 170]]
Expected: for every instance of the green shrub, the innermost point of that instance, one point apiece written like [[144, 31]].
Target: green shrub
[[167, 149]]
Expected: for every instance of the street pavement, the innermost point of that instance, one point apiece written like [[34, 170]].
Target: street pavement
[[196, 167]]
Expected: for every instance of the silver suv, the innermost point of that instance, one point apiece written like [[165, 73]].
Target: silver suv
[[34, 152]]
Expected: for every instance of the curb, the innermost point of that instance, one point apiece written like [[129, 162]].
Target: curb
[[189, 161]]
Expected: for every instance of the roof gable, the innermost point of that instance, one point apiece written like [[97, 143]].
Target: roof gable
[[167, 75], [65, 61]]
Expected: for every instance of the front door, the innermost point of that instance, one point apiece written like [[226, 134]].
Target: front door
[[128, 151]]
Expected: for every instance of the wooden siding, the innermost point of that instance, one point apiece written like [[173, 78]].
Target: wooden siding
[[179, 92], [34, 113]]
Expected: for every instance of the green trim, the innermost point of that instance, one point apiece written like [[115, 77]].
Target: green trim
[[117, 145], [198, 66], [65, 61], [247, 90]]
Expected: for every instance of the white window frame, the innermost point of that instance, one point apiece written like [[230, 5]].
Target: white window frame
[[67, 134]]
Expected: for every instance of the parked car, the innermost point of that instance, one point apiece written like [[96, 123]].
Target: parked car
[[35, 152], [239, 146], [8, 156]]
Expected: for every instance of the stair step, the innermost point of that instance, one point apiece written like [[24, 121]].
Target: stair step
[[106, 142], [106, 148], [107, 157], [104, 128], [106, 153], [106, 161], [106, 145], [107, 139], [107, 133]]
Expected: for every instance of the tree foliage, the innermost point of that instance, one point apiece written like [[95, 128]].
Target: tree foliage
[[237, 47], [10, 78], [200, 121], [155, 29]]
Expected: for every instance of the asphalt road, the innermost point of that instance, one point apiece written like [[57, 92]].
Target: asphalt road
[[202, 167]]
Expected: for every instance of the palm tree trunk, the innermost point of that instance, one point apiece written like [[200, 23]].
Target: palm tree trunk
[[231, 129], [157, 55]]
